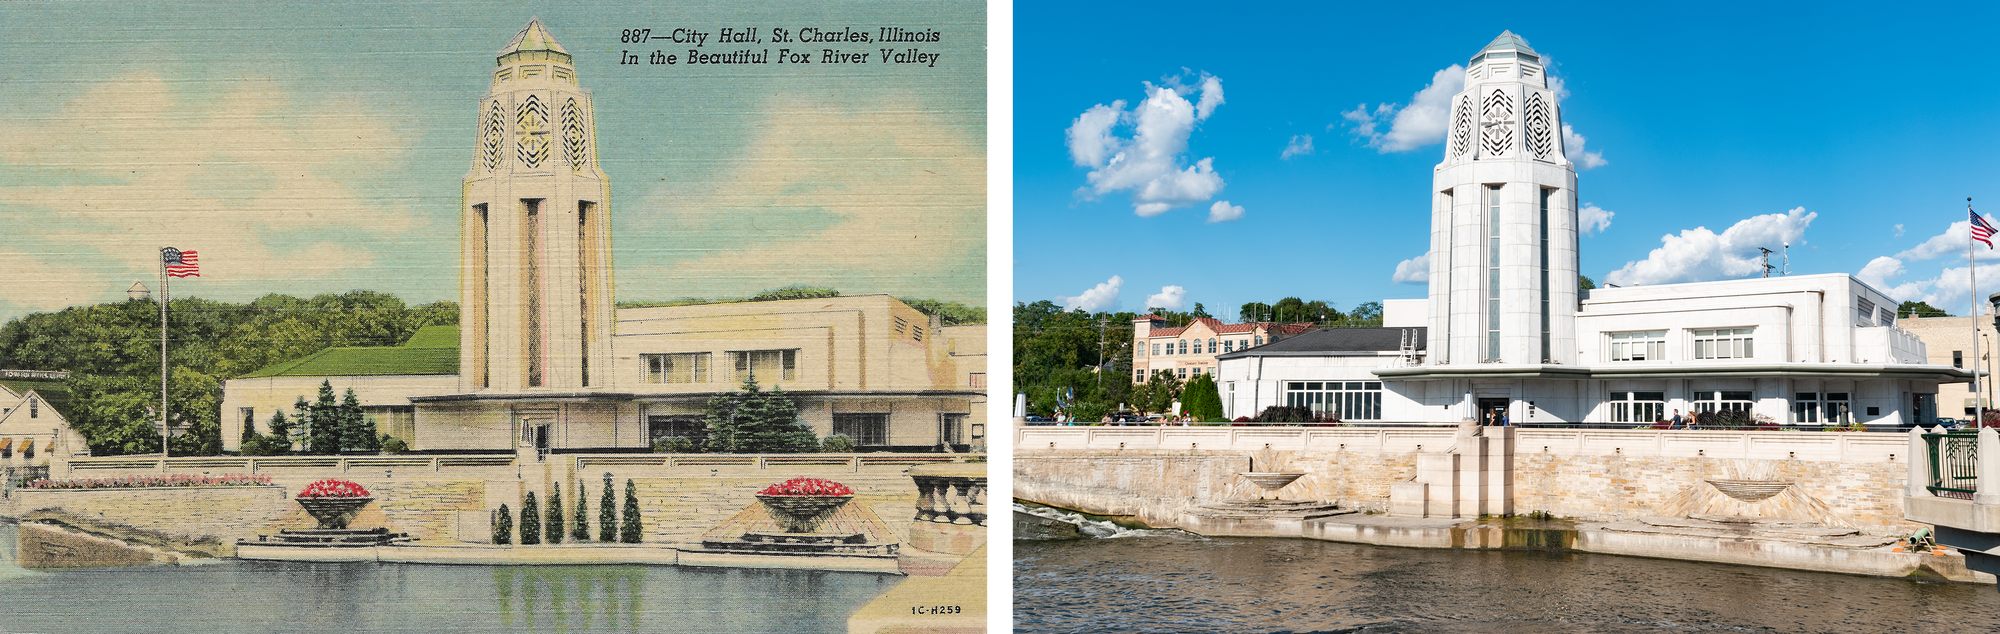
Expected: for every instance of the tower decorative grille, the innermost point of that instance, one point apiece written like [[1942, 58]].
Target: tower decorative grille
[[574, 143], [491, 133], [532, 128], [1461, 128], [1541, 137], [1498, 114]]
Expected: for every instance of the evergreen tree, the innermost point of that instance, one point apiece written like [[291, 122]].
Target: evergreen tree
[[555, 526], [629, 532], [755, 421], [580, 528], [1200, 398], [531, 522], [359, 434], [249, 429], [607, 516], [503, 525], [322, 422]]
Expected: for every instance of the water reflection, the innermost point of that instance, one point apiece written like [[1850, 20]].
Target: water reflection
[[241, 596], [1180, 582]]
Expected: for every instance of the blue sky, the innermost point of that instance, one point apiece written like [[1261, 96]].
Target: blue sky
[[1856, 133], [307, 149]]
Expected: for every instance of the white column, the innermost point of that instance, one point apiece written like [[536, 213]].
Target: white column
[[1988, 468], [1920, 467]]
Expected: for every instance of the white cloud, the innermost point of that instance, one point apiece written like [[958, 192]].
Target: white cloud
[[1415, 270], [1300, 144], [1149, 164], [1950, 243], [1593, 219], [1573, 148], [1099, 298], [1951, 290], [1878, 273], [1169, 297], [1421, 123], [1222, 211], [1699, 254], [1899, 231]]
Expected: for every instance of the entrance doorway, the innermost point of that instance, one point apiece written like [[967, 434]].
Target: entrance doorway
[[1492, 409], [535, 434]]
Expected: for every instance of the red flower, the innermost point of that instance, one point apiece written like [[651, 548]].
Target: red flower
[[333, 489], [807, 486]]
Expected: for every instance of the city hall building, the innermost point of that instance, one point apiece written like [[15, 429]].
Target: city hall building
[[1506, 328], [543, 360]]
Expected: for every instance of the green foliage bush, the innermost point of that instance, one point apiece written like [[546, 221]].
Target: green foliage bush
[[630, 531], [531, 522], [392, 445], [675, 445], [837, 443], [555, 527], [503, 525]]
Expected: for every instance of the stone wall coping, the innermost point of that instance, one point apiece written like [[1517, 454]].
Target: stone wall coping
[[196, 488], [1858, 447]]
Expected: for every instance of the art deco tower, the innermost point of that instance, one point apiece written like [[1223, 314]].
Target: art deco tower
[[1503, 286], [535, 286]]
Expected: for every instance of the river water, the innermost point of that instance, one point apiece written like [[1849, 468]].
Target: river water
[[1171, 581], [245, 596]]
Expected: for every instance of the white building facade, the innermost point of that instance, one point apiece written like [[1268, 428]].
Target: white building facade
[[1508, 332]]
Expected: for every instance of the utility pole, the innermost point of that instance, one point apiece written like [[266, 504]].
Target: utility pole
[[1100, 354], [1767, 261]]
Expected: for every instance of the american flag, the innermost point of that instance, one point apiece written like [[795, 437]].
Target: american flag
[[179, 263]]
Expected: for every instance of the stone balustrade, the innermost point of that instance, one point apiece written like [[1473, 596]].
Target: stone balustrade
[[1852, 447], [951, 494]]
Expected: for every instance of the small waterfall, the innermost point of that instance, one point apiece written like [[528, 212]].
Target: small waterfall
[[1089, 527]]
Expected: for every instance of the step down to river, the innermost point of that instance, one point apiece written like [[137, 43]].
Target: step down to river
[[1257, 518]]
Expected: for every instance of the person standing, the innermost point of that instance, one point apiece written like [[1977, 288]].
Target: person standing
[[1675, 422]]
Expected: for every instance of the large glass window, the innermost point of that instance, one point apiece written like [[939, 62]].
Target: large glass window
[[684, 367], [1724, 343], [1805, 408], [1835, 409], [1544, 224], [1156, 350], [765, 365], [1638, 407], [660, 427], [1723, 400], [867, 430], [1493, 273], [1183, 347], [1344, 400], [1211, 346], [1639, 345]]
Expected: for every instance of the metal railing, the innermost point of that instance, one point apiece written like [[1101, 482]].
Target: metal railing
[[1954, 459]]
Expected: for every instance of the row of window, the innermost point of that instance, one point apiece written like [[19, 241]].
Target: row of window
[[1344, 400], [1228, 345], [1710, 343], [765, 366], [1807, 407], [1139, 375], [867, 429]]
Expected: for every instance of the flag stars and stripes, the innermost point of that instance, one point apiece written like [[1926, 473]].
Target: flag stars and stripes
[[180, 263], [1981, 230]]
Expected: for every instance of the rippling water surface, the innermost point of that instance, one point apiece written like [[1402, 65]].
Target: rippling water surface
[[1169, 581], [244, 596]]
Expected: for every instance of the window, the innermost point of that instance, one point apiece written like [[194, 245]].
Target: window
[[1493, 273], [951, 428], [1260, 340], [34, 408], [1138, 376], [765, 365], [1344, 400], [916, 332], [1544, 225], [1156, 349], [1183, 373], [1723, 343], [1719, 401], [1139, 349], [684, 367], [1640, 345], [1887, 317], [1836, 408], [1211, 346], [660, 428], [1183, 347], [1197, 371], [1638, 407], [902, 326], [1229, 345], [1958, 358], [976, 380], [867, 430], [1805, 407], [1864, 312]]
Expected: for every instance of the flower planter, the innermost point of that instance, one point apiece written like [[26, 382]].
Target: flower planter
[[333, 513], [802, 513]]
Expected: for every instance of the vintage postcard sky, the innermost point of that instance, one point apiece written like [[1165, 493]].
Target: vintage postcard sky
[[303, 149]]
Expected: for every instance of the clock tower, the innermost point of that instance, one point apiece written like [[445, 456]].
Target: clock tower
[[535, 282], [1503, 285]]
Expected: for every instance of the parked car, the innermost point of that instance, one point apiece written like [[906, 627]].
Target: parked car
[[1041, 420]]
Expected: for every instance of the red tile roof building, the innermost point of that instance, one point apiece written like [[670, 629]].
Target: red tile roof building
[[1189, 351]]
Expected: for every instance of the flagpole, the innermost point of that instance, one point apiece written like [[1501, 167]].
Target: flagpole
[[1972, 275], [163, 354]]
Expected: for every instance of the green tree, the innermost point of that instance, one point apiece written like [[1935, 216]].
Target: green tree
[[837, 443], [1254, 312], [1584, 282], [1919, 309], [503, 525], [360, 434], [755, 421], [531, 522], [607, 515], [1368, 314], [1199, 311], [555, 527], [630, 530], [1201, 399], [579, 530]]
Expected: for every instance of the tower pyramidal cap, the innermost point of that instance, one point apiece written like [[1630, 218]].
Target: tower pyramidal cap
[[1503, 284], [535, 260]]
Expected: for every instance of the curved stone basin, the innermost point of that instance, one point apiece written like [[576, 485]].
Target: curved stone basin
[[1750, 490], [1271, 480]]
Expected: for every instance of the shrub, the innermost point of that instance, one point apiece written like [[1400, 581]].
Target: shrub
[[607, 519], [176, 480], [503, 525], [555, 527], [675, 445], [837, 443], [531, 522], [629, 532], [579, 531], [393, 445]]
